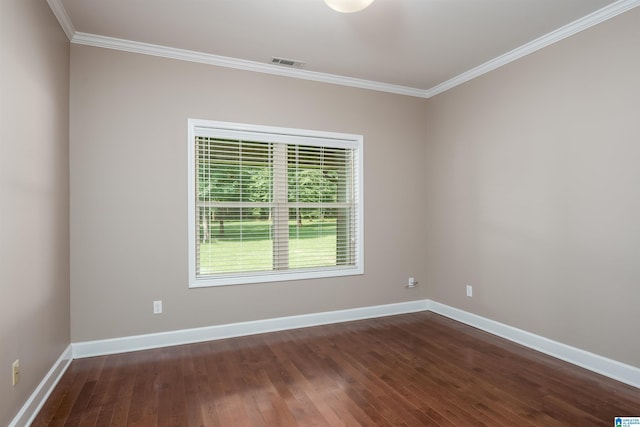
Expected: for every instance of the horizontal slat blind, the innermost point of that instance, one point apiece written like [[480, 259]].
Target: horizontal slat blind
[[234, 192], [319, 184], [265, 206]]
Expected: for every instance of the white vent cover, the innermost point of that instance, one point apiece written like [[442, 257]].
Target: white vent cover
[[293, 63]]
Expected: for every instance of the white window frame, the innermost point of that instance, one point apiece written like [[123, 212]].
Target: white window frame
[[197, 127]]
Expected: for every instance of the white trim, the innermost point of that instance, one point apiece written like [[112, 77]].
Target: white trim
[[555, 36], [32, 406], [239, 64], [203, 127], [61, 14], [280, 135], [210, 333], [568, 30], [593, 362], [608, 367]]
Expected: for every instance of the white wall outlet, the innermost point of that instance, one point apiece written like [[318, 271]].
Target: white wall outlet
[[411, 282], [15, 372], [157, 307], [469, 290]]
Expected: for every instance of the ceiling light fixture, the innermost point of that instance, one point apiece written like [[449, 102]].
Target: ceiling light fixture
[[348, 6]]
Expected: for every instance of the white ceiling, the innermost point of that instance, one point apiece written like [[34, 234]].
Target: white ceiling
[[403, 46]]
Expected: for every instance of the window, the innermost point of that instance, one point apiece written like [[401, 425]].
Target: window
[[270, 204]]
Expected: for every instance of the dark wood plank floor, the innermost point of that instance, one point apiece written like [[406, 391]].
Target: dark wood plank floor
[[409, 370]]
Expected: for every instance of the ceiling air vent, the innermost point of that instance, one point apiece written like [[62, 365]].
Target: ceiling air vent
[[287, 62]]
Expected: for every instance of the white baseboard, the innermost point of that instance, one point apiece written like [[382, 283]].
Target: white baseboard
[[613, 369], [30, 409], [210, 333], [610, 368]]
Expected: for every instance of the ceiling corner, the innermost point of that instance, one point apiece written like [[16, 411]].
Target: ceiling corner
[[63, 18], [555, 36]]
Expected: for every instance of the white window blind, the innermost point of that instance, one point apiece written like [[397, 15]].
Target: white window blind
[[272, 204]]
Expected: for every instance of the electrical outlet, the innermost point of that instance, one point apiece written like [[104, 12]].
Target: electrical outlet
[[157, 307], [15, 372], [411, 283], [469, 290]]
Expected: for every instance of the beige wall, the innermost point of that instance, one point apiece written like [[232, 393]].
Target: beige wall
[[34, 197], [533, 192], [129, 191], [522, 183]]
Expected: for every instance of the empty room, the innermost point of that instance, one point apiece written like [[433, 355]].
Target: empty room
[[320, 212]]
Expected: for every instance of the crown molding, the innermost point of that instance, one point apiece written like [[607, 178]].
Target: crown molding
[[239, 64], [562, 33], [588, 21], [61, 14]]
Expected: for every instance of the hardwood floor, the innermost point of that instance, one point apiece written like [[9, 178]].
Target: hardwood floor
[[408, 370]]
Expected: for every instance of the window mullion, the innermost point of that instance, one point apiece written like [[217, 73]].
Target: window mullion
[[281, 214]]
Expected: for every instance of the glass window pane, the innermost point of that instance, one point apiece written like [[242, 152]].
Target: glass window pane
[[238, 241], [312, 238]]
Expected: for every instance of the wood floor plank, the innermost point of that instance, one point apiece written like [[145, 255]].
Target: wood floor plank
[[120, 392], [409, 370]]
